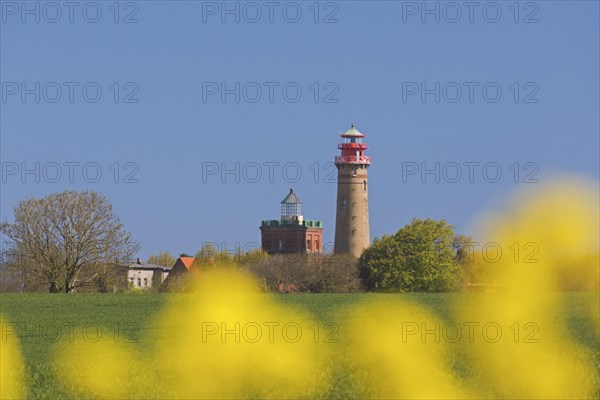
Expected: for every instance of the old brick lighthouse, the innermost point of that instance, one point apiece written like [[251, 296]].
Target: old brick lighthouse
[[352, 216], [292, 234]]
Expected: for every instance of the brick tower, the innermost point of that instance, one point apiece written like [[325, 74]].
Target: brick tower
[[291, 233], [352, 216]]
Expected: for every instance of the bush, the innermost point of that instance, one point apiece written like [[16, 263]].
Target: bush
[[420, 257], [315, 274]]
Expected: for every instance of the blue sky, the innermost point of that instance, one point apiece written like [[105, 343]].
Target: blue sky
[[160, 124]]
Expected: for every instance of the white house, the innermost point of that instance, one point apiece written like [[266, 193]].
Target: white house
[[146, 276]]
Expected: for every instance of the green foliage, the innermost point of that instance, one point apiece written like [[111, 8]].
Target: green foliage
[[206, 255], [421, 257], [209, 255], [163, 258]]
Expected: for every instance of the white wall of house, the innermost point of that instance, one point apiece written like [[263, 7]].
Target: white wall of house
[[141, 279]]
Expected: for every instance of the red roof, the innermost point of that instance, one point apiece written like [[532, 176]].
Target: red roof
[[186, 261]]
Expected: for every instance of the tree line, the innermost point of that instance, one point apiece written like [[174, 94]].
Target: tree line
[[73, 241]]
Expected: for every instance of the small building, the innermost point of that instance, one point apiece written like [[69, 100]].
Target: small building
[[176, 280], [146, 276], [183, 265], [291, 234]]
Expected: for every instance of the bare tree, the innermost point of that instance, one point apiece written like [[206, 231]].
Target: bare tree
[[61, 235], [283, 272], [325, 273], [13, 275]]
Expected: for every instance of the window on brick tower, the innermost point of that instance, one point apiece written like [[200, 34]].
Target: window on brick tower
[[309, 244], [317, 247]]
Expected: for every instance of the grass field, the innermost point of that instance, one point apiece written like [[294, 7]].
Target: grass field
[[129, 318]]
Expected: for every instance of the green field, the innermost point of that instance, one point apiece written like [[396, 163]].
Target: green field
[[30, 314]]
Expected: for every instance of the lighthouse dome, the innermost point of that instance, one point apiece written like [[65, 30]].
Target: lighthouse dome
[[291, 207], [353, 133], [291, 198]]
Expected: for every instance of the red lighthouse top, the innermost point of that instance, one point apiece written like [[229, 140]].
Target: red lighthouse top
[[353, 148]]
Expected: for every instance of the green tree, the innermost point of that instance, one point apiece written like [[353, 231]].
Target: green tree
[[465, 249], [163, 258], [206, 255], [251, 256], [474, 268], [420, 257], [69, 239], [209, 254]]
